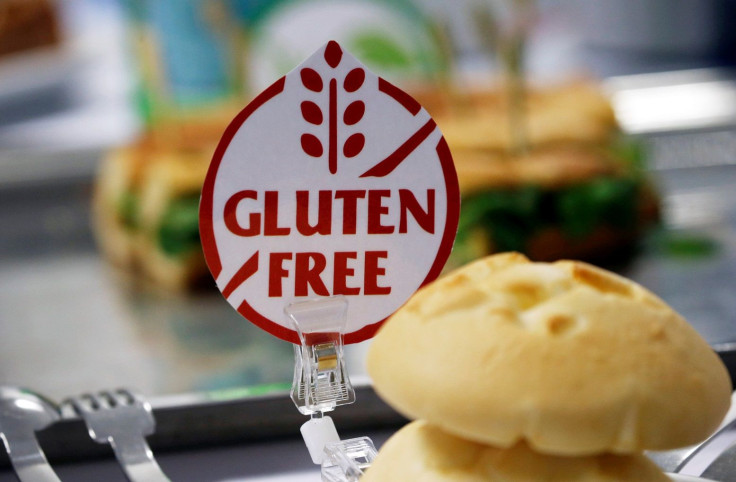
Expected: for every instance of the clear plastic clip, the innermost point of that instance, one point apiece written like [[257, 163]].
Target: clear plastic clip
[[347, 460], [321, 381]]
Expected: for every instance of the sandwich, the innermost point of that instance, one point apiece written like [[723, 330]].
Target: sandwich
[[146, 216], [563, 183], [563, 360]]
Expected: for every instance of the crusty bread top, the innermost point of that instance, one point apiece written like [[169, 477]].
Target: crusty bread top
[[183, 171], [157, 174], [569, 357], [552, 167], [127, 168], [120, 171], [576, 112], [421, 452]]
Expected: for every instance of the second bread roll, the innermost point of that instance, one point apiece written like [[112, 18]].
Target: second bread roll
[[421, 452]]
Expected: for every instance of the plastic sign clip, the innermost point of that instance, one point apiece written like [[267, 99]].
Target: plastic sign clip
[[321, 381], [347, 460]]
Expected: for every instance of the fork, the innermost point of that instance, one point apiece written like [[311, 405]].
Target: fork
[[22, 413], [122, 419]]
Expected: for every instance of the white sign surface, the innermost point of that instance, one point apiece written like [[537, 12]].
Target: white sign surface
[[331, 182]]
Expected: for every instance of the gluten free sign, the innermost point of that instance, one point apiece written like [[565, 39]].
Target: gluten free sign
[[331, 182]]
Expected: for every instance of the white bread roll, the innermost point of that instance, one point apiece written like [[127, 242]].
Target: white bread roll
[[421, 452], [571, 358]]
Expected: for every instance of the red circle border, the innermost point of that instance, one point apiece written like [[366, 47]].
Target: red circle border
[[209, 246]]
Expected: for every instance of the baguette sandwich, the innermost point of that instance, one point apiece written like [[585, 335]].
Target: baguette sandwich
[[576, 190], [146, 212]]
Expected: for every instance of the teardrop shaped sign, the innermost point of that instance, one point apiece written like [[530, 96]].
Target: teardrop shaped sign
[[331, 182]]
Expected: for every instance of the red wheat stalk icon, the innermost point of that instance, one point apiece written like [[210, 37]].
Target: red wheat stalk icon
[[351, 115]]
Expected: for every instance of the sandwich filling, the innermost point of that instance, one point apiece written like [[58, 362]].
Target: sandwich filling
[[576, 192]]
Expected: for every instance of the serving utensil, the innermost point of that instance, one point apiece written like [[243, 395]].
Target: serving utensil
[[695, 460], [687, 478], [122, 419], [716, 457], [22, 414], [724, 466]]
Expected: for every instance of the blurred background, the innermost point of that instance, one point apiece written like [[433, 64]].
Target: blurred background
[[602, 130]]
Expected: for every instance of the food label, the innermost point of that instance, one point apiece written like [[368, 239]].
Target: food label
[[331, 182]]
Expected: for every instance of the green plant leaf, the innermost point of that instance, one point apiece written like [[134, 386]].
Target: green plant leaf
[[375, 48]]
